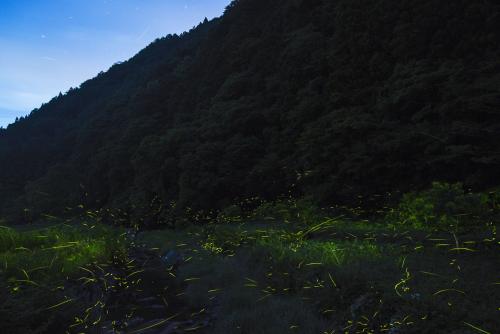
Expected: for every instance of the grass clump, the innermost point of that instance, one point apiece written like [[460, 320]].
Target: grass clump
[[318, 252]]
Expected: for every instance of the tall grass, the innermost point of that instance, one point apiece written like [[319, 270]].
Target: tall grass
[[41, 272], [55, 252]]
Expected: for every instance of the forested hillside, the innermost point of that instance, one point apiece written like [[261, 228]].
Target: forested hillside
[[331, 99]]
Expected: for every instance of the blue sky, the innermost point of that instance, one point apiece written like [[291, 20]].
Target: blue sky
[[48, 46]]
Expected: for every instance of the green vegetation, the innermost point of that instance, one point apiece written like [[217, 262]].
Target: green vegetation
[[54, 252], [339, 275], [284, 268], [448, 207], [40, 268]]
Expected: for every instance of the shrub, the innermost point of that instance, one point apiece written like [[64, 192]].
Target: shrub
[[443, 206]]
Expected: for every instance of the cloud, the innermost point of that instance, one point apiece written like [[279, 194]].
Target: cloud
[[143, 34]]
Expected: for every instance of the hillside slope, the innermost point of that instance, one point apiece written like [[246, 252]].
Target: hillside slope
[[331, 99]]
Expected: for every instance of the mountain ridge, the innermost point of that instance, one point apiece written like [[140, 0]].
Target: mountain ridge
[[328, 99]]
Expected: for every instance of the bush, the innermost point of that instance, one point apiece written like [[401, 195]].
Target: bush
[[444, 206]]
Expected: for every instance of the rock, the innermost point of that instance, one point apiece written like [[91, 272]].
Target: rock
[[172, 258]]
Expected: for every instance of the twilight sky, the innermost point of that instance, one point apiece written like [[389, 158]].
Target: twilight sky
[[48, 46]]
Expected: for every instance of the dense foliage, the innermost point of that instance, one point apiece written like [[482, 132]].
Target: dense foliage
[[447, 207], [331, 99]]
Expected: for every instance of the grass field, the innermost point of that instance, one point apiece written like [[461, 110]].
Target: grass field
[[426, 266], [268, 280]]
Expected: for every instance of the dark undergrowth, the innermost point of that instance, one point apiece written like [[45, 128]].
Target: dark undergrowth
[[428, 265]]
